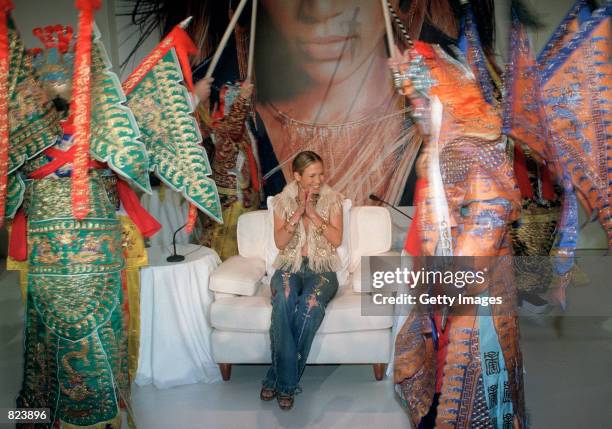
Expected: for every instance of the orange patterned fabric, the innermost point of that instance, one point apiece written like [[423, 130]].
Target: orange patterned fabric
[[558, 106], [483, 199], [576, 94], [524, 115]]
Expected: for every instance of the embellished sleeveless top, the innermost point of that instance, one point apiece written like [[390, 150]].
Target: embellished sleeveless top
[[322, 255]]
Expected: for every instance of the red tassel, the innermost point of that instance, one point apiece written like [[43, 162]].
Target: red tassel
[[522, 176], [81, 108], [184, 46], [146, 224], [5, 8], [18, 244], [191, 218], [412, 245]]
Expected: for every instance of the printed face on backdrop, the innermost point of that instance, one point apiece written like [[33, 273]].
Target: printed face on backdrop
[[328, 38], [324, 84]]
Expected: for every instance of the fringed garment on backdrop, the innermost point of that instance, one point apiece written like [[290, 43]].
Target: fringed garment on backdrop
[[482, 354]]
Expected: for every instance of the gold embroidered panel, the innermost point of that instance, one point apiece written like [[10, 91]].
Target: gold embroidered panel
[[33, 121], [163, 110], [114, 132]]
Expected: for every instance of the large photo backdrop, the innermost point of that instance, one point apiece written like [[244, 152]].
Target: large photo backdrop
[[322, 82]]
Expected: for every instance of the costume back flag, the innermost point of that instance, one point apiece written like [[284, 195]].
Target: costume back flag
[[28, 121], [472, 48], [163, 110], [576, 95], [524, 115]]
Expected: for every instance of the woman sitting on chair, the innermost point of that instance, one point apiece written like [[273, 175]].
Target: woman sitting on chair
[[307, 231]]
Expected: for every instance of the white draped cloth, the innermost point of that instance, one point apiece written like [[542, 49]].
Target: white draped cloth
[[175, 343], [170, 209]]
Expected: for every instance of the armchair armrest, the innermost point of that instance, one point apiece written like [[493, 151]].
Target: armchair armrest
[[360, 286], [238, 276]]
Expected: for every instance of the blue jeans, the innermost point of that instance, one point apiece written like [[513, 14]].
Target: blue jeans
[[298, 307]]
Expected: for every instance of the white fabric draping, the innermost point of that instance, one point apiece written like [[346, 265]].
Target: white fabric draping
[[175, 344], [170, 209]]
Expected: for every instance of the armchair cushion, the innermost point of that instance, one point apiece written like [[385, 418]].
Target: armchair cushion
[[251, 234], [238, 275], [371, 233], [253, 314]]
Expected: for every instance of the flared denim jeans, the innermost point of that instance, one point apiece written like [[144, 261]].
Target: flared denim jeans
[[298, 307]]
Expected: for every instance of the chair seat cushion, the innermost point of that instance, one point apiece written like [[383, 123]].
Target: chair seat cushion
[[253, 313], [238, 275]]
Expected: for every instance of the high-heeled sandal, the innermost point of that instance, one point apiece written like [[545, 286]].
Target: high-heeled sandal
[[267, 394], [285, 401]]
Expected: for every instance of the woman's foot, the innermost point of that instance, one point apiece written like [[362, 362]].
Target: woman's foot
[[285, 401], [267, 394]]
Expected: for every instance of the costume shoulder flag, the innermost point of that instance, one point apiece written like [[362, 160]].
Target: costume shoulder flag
[[163, 109], [28, 121], [115, 137]]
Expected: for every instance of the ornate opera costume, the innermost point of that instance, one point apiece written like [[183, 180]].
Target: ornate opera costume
[[79, 255], [464, 208], [234, 170]]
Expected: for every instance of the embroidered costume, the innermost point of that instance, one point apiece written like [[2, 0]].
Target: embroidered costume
[[82, 258], [464, 209]]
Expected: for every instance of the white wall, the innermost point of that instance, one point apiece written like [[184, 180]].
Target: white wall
[[118, 33], [29, 14]]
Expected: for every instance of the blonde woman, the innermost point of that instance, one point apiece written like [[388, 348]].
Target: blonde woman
[[307, 230]]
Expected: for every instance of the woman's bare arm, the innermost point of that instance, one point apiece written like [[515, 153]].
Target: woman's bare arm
[[285, 229]]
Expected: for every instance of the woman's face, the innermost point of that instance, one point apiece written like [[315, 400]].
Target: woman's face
[[312, 178], [328, 39]]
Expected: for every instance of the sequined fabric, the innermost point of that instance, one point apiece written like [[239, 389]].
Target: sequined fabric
[[33, 121]]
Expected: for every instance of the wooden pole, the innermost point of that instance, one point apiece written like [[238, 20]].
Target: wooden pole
[[389, 28], [225, 38], [249, 76]]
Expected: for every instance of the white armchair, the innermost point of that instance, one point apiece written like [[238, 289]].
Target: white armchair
[[241, 312]]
